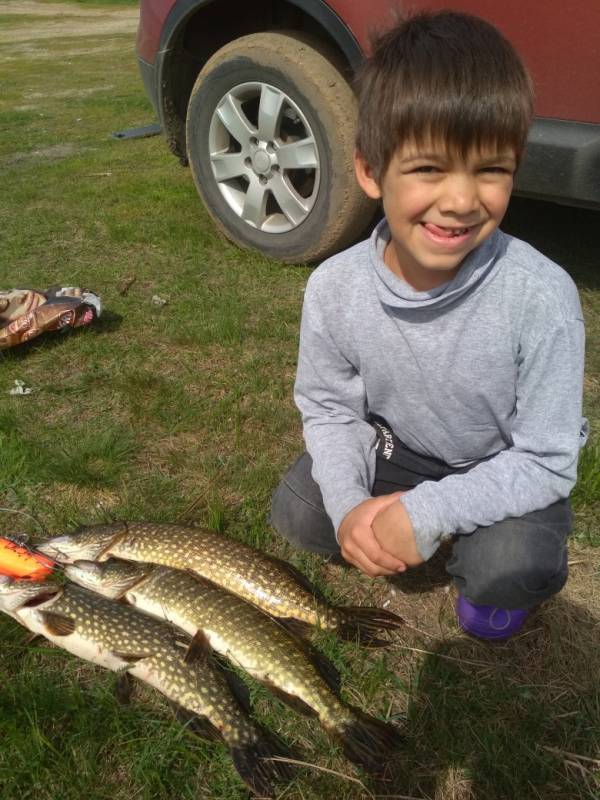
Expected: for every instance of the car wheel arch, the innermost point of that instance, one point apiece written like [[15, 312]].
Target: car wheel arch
[[270, 137], [176, 69]]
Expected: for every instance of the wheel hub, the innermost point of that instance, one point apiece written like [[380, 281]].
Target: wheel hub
[[261, 162]]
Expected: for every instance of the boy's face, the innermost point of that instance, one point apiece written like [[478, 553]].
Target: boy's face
[[439, 207]]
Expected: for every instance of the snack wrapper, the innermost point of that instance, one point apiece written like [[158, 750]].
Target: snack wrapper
[[26, 313]]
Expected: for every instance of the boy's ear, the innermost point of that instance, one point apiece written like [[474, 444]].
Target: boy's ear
[[365, 178]]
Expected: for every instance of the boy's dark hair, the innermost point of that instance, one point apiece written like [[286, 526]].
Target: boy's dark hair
[[448, 77]]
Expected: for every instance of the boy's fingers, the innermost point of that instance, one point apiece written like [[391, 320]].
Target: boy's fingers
[[377, 555], [357, 556], [362, 563]]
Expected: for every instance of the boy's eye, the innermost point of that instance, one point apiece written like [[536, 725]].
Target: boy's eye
[[426, 168], [497, 170]]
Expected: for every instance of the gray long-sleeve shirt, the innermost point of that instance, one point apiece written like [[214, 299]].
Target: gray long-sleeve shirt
[[486, 370]]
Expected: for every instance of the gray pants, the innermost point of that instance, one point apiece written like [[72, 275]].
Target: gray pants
[[515, 563]]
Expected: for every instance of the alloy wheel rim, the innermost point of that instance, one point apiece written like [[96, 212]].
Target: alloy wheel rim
[[264, 157]]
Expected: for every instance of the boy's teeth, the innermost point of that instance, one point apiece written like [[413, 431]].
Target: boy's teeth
[[440, 231]]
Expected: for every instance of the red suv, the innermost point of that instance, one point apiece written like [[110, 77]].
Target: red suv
[[256, 97]]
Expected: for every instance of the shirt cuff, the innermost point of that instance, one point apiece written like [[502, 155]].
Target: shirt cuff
[[427, 538]]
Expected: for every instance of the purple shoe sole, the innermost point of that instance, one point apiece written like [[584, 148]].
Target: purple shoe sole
[[489, 622]]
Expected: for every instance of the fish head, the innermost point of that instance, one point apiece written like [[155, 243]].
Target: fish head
[[15, 593], [85, 544], [110, 578]]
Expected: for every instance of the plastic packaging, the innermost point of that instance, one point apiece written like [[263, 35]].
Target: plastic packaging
[[26, 313]]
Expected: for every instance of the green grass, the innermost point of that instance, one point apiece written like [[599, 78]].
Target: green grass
[[186, 411]]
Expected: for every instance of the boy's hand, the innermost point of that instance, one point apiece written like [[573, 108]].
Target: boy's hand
[[394, 532], [358, 543]]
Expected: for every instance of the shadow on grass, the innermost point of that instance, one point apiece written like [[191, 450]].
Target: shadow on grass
[[108, 322], [428, 576], [508, 720]]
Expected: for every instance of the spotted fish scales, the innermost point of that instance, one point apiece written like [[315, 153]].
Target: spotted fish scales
[[251, 639], [273, 585], [119, 638]]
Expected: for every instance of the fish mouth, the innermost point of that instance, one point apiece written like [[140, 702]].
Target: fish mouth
[[85, 573], [87, 543], [52, 548], [16, 594], [85, 568], [111, 578], [66, 549], [41, 598]]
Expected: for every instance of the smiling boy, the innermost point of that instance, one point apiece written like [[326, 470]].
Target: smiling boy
[[441, 362]]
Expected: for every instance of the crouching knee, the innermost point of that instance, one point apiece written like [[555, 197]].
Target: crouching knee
[[514, 567], [301, 522]]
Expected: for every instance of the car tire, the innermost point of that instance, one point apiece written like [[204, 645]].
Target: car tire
[[270, 140]]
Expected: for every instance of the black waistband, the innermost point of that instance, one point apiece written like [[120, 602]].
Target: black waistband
[[399, 466]]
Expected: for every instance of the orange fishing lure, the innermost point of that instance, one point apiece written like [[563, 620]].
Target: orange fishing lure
[[20, 562]]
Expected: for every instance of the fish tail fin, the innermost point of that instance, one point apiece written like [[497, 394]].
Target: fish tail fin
[[257, 762], [364, 623], [368, 741]]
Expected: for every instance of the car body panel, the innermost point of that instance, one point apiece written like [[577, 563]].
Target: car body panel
[[558, 40], [153, 14]]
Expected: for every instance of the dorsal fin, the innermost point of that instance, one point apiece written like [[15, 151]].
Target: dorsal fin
[[323, 665], [297, 627], [236, 685], [198, 649], [290, 700], [57, 624], [200, 726], [298, 576]]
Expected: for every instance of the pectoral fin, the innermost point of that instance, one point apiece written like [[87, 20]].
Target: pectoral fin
[[57, 624], [130, 658]]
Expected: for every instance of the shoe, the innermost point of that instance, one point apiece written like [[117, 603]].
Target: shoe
[[489, 622]]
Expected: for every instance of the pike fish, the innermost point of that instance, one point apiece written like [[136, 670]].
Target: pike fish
[[121, 639], [271, 584], [252, 640]]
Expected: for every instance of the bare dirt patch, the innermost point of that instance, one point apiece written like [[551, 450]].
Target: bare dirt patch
[[53, 153], [62, 20], [65, 93], [35, 51]]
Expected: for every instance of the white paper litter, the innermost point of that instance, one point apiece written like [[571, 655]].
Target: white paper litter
[[20, 388]]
